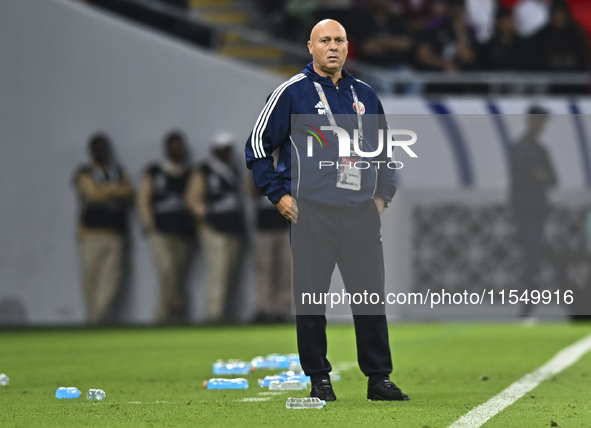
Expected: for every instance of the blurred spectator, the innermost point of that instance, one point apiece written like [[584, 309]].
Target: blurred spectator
[[450, 44], [581, 13], [532, 174], [531, 16], [384, 40], [214, 197], [273, 261], [417, 13], [506, 50], [169, 224], [298, 16], [105, 195], [563, 45], [481, 17]]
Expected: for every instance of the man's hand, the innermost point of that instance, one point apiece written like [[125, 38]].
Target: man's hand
[[288, 208], [380, 203]]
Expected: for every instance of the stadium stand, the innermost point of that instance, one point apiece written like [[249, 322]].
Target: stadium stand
[[272, 35]]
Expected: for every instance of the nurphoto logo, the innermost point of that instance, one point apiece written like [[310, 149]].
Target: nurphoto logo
[[350, 149]]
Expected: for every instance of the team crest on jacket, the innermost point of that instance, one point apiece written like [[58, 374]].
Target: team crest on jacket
[[320, 107], [361, 107]]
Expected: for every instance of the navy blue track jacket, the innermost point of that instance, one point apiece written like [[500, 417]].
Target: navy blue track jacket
[[300, 175]]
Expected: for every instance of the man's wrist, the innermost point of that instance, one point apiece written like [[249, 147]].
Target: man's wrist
[[387, 202], [276, 198]]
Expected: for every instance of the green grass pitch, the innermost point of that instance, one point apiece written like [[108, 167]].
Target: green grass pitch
[[153, 377]]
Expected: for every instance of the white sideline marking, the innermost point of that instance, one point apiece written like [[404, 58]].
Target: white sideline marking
[[565, 358]]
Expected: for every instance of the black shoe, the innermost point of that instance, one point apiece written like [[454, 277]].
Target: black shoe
[[323, 390], [385, 391]]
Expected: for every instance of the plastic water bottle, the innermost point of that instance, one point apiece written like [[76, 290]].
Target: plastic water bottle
[[295, 366], [288, 385], [266, 381], [216, 383], [231, 367], [257, 362], [334, 377], [296, 376], [284, 377], [275, 361], [4, 379], [305, 403], [95, 394], [69, 392], [284, 361], [267, 362]]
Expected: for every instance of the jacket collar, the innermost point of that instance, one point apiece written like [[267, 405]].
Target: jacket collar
[[347, 78]]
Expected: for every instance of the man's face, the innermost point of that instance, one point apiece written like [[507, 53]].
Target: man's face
[[457, 12], [537, 123], [176, 151], [328, 46], [559, 18], [101, 152], [505, 24], [223, 153]]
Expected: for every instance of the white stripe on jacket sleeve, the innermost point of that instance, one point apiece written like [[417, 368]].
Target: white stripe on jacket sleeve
[[261, 123]]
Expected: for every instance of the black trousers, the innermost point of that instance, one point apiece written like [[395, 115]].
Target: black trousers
[[349, 237], [530, 233], [529, 226]]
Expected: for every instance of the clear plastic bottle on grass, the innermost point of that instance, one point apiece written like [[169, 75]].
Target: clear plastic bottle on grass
[[296, 376], [231, 367], [275, 361], [4, 379], [305, 403], [289, 385], [95, 394], [69, 392], [284, 377], [266, 381], [284, 361]]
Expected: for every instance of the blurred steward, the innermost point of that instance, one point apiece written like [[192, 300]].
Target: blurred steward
[[273, 260], [214, 197], [169, 224], [532, 175], [105, 195]]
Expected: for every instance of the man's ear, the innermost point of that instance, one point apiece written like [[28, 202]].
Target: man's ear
[[310, 47]]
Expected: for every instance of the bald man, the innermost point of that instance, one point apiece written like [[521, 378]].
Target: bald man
[[333, 212]]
